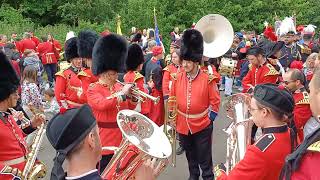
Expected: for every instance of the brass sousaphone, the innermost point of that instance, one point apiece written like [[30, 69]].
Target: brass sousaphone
[[218, 35]]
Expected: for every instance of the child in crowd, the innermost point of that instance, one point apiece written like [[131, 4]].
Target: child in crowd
[[51, 106]]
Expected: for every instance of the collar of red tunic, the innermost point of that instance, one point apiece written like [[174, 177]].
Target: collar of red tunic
[[279, 129], [193, 78]]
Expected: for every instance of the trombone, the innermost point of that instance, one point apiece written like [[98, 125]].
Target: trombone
[[140, 95], [169, 126]]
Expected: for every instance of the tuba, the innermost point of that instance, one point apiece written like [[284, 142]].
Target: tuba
[[142, 139], [217, 35], [239, 131]]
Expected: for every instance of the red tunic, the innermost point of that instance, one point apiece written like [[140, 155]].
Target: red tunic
[[13, 143], [138, 79], [68, 89], [9, 173], [266, 73], [169, 74], [46, 52], [27, 44], [194, 99], [105, 111], [263, 160], [216, 75], [35, 40], [309, 165], [302, 112], [86, 78]]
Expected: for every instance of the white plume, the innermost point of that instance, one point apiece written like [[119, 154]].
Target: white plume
[[286, 26], [70, 35], [310, 29]]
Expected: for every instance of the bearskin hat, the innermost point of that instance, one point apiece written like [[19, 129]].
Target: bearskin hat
[[9, 81], [192, 45], [86, 41], [71, 49], [109, 53], [135, 57]]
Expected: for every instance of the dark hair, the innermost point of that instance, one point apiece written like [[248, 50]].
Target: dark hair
[[277, 114], [30, 73], [44, 38], [296, 74], [255, 51], [49, 92]]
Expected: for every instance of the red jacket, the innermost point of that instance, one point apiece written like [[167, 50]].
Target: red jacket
[[216, 75], [27, 44], [309, 165], [105, 109], [46, 52], [68, 89], [169, 74], [266, 73], [13, 143], [86, 77], [35, 40], [138, 79], [264, 159], [9, 173], [302, 112], [194, 98]]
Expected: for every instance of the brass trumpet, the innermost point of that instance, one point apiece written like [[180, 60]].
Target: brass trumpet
[[140, 95]]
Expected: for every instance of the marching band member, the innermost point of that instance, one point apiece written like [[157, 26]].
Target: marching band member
[[260, 71], [82, 151], [170, 72], [153, 77], [106, 97], [86, 41], [308, 46], [270, 108], [134, 63], [195, 93], [68, 88], [169, 75], [13, 151], [210, 69], [304, 162], [49, 57], [294, 81]]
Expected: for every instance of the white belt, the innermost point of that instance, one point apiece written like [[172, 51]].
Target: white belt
[[194, 116], [13, 161]]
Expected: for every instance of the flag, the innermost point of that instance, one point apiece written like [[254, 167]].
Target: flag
[[119, 25], [156, 29]]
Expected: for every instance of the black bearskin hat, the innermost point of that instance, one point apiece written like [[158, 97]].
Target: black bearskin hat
[[86, 41], [135, 57], [71, 49], [192, 45], [9, 81], [109, 53]]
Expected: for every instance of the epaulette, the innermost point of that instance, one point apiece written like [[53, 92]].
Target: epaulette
[[13, 171], [305, 49], [60, 73], [83, 73], [250, 66], [272, 70], [211, 78], [305, 100], [166, 69], [137, 76], [93, 85], [265, 141], [173, 76], [315, 147]]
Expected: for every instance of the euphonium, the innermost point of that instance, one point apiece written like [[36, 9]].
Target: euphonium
[[142, 139], [239, 131], [169, 126]]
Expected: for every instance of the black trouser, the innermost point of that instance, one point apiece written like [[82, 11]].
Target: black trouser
[[104, 162], [51, 70], [198, 148]]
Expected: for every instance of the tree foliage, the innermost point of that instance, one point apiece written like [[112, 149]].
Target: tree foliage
[[101, 14]]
